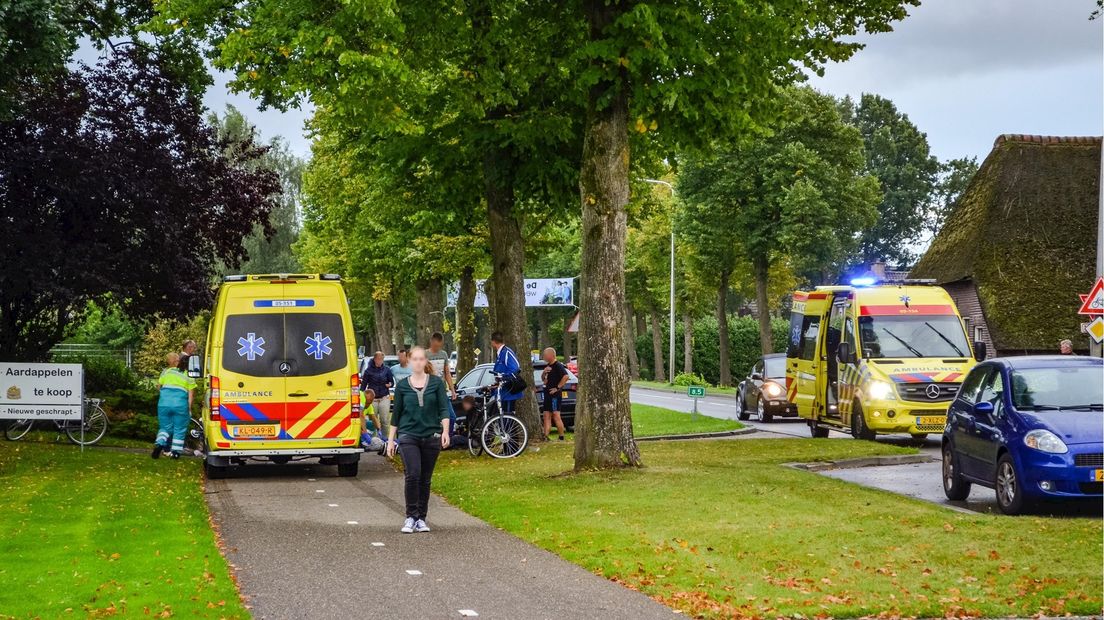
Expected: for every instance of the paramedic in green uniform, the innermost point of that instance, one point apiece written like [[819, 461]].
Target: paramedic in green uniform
[[174, 406]]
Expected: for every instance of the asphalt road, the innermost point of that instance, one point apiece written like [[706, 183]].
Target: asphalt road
[[307, 544]]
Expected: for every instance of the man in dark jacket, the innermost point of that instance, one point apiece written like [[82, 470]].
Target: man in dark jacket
[[378, 378]]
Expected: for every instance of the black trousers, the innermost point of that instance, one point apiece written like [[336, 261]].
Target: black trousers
[[419, 456]]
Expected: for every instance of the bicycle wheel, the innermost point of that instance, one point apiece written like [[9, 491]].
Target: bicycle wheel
[[95, 427], [504, 436], [194, 440], [17, 429]]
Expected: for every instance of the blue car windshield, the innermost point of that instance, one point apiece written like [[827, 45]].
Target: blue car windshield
[[1066, 388]]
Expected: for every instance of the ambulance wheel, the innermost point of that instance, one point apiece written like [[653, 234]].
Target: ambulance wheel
[[859, 429], [817, 431], [213, 472], [347, 470], [741, 407]]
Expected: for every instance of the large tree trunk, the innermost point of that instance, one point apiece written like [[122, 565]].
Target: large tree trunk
[[507, 265], [398, 330], [430, 310], [659, 372], [687, 344], [381, 334], [724, 370], [630, 344], [762, 305], [543, 338], [465, 323], [603, 423], [568, 351]]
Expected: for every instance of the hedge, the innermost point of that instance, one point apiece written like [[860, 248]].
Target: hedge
[[744, 349]]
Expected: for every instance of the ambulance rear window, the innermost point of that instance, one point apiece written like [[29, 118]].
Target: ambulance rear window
[[278, 344]]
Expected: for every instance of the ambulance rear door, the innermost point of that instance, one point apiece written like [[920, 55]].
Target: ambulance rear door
[[805, 368]]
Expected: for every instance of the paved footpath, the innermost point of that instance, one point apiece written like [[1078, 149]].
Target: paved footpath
[[307, 544]]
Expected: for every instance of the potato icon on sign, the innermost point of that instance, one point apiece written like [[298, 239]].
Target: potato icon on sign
[[14, 393]]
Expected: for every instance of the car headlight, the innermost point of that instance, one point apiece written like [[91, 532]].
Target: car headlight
[[773, 389], [1045, 441], [881, 390]]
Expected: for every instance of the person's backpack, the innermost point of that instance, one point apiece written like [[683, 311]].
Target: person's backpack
[[513, 383]]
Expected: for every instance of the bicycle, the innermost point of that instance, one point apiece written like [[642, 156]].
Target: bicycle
[[499, 434], [86, 431]]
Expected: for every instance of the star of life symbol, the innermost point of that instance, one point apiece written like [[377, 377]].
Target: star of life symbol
[[252, 347], [318, 346], [905, 299]]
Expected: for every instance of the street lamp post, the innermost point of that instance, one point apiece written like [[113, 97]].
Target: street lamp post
[[671, 329]]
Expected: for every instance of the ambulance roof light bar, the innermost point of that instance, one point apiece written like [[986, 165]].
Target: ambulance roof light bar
[[864, 281]]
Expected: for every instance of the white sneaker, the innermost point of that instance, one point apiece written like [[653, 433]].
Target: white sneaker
[[408, 526], [420, 526]]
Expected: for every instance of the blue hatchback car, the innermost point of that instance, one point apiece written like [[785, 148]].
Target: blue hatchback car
[[1032, 428]]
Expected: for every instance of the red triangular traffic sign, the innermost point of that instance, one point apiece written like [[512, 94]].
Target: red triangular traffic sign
[[1093, 303]]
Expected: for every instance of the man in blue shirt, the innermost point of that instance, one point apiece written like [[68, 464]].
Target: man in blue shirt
[[506, 364]]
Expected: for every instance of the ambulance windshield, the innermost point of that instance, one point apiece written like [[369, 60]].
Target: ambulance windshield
[[889, 336]]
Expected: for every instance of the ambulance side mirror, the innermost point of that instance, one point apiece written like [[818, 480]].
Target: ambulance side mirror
[[845, 354], [195, 367], [979, 350]]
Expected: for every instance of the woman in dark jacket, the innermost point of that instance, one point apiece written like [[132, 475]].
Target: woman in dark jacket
[[420, 422], [377, 377]]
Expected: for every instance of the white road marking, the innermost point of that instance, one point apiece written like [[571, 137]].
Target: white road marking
[[320, 490], [413, 572], [377, 544], [332, 505], [310, 479], [468, 613], [352, 523]]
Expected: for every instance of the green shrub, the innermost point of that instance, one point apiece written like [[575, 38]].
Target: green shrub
[[132, 412], [104, 375], [744, 349], [689, 378]]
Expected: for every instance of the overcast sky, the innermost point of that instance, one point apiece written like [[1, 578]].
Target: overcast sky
[[965, 71]]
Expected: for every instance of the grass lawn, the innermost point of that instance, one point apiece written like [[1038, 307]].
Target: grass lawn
[[651, 421], [107, 533], [681, 389], [720, 529]]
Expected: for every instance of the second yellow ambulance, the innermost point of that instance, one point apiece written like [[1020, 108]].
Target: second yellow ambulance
[[870, 358]]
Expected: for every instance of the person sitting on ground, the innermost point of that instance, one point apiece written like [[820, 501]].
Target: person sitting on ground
[[370, 439], [174, 407], [468, 410]]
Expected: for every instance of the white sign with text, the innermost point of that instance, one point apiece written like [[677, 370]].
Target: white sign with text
[[41, 391], [539, 293]]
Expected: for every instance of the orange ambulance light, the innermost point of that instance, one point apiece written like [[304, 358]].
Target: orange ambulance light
[[354, 396], [215, 402]]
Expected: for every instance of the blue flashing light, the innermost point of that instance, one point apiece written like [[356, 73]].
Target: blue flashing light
[[862, 281]]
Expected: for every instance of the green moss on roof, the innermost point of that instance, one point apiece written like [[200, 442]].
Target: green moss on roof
[[1025, 232]]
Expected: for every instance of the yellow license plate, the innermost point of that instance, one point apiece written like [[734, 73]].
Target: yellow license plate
[[1099, 475], [255, 430], [931, 421], [565, 394]]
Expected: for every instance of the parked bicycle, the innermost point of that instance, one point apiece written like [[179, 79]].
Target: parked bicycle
[[501, 435], [86, 431]]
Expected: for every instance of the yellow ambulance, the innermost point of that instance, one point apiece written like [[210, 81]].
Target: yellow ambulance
[[281, 373], [876, 358]]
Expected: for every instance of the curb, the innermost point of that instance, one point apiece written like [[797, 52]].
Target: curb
[[873, 461], [719, 434], [680, 390]]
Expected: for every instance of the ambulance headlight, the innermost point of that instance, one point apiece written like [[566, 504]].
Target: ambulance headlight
[[881, 390]]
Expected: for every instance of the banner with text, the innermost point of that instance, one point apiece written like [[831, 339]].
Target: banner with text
[[539, 292], [41, 391]]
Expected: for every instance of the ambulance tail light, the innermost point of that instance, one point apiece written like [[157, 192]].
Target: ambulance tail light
[[354, 397], [215, 401]]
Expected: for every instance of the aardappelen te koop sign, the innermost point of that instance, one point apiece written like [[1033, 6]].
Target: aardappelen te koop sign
[[41, 391]]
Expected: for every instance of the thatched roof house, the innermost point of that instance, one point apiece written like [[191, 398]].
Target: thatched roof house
[[1020, 244]]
